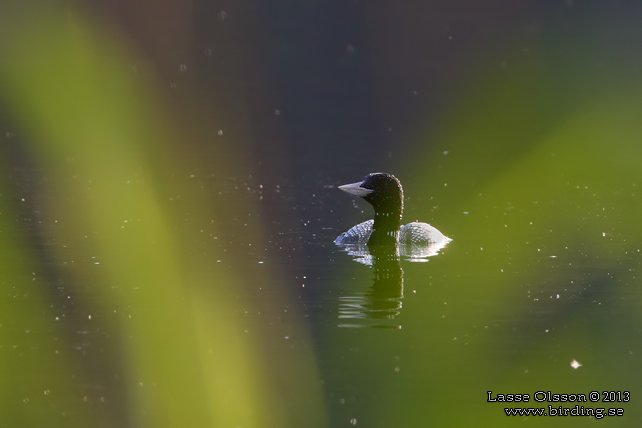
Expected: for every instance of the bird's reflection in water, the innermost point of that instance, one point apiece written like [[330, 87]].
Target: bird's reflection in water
[[379, 306], [382, 301]]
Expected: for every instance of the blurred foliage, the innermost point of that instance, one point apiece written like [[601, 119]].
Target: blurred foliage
[[114, 312], [536, 176], [172, 348]]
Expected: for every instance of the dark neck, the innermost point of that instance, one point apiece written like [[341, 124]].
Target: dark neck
[[385, 230]]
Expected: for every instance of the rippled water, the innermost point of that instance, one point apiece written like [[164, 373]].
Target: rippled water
[[498, 314], [168, 207], [395, 341]]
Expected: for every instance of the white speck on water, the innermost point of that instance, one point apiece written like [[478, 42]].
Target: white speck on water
[[220, 132], [445, 152], [182, 67], [575, 364], [353, 421], [277, 112], [603, 233], [465, 212]]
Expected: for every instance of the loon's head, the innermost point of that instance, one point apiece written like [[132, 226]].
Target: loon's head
[[383, 191], [385, 194]]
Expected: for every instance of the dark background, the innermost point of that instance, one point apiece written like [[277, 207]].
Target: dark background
[[354, 83]]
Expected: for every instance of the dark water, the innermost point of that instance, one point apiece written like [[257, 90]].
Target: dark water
[[501, 315], [400, 342], [168, 206]]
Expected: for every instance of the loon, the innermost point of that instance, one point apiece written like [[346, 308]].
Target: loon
[[385, 194]]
